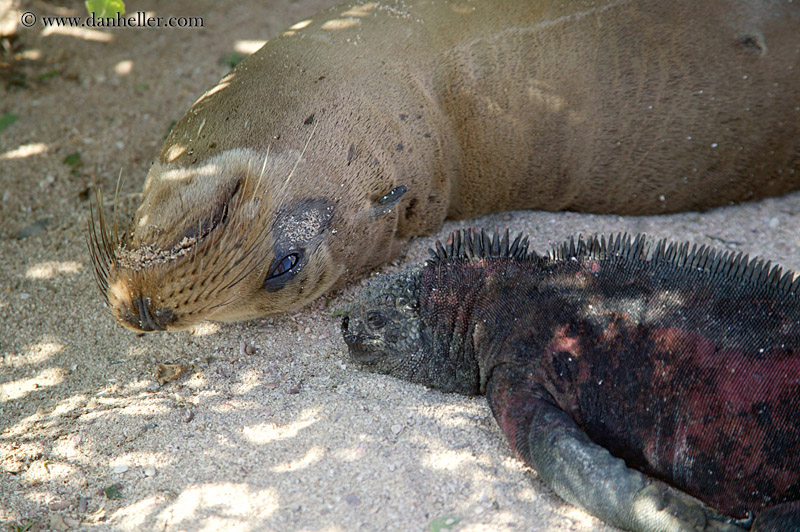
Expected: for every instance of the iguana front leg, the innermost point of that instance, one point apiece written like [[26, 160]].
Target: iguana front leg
[[584, 473]]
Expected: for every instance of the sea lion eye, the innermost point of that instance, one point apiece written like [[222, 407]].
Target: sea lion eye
[[283, 266], [287, 264], [376, 320]]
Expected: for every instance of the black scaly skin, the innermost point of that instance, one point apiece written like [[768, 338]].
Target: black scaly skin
[[655, 385]]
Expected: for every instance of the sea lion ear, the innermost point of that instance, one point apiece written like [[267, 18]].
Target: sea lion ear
[[387, 202]]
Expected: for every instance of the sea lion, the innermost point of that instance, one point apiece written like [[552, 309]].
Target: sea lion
[[321, 154]]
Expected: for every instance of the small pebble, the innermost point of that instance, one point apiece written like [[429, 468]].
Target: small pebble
[[352, 499], [774, 222], [150, 471], [119, 469], [57, 506], [83, 504], [37, 227], [396, 429], [249, 349], [57, 523]]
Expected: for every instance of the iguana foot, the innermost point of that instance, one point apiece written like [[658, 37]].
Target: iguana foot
[[659, 507]]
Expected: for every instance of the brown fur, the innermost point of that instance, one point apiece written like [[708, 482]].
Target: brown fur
[[615, 106]]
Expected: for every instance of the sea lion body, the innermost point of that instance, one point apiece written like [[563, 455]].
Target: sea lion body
[[321, 154]]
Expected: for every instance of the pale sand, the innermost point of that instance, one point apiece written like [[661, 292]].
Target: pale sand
[[288, 436]]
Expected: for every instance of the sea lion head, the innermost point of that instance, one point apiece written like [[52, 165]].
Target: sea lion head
[[215, 241]]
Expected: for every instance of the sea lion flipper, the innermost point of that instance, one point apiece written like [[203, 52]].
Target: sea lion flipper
[[386, 203]]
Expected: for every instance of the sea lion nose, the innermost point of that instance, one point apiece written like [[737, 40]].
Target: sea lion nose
[[146, 319]]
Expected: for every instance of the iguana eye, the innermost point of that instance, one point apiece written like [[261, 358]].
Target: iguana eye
[[375, 320], [283, 266]]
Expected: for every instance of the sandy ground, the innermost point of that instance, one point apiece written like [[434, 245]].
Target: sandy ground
[[270, 427]]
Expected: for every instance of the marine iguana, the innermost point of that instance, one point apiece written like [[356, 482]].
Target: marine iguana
[[654, 385]]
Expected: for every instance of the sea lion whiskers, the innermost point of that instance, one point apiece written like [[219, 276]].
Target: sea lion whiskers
[[253, 265], [261, 185], [245, 185], [247, 268], [253, 259], [116, 205], [176, 269], [101, 255], [103, 249], [200, 270], [247, 262], [232, 253], [297, 162], [263, 170]]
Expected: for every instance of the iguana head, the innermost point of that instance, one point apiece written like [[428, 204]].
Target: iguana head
[[418, 325], [388, 329], [382, 327]]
